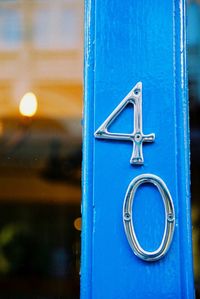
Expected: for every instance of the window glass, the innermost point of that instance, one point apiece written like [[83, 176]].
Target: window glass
[[40, 148], [11, 29], [56, 28]]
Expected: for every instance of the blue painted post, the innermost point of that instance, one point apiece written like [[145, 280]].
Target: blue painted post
[[127, 42]]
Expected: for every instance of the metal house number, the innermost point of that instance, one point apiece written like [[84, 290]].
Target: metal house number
[[138, 138]]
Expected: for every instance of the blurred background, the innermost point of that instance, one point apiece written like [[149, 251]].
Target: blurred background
[[193, 31], [41, 61], [41, 58]]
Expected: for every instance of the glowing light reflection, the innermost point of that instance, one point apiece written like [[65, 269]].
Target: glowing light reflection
[[28, 104]]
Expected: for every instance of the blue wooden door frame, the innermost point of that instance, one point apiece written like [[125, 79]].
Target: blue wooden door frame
[[126, 42]]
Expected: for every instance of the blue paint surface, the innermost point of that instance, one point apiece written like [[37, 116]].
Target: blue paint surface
[[127, 42]]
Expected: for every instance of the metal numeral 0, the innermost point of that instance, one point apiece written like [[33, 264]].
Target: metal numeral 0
[[169, 217], [134, 97]]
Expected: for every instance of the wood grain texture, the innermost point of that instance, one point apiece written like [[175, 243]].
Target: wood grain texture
[[127, 42]]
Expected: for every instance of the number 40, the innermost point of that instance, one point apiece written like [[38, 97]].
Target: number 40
[[137, 137]]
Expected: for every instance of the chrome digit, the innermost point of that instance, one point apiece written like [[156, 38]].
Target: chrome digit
[[137, 137], [129, 221]]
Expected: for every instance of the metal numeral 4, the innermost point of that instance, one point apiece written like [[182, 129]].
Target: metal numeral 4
[[134, 97]]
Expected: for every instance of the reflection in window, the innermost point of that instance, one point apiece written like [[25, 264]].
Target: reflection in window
[[56, 29], [11, 29], [40, 148], [47, 25]]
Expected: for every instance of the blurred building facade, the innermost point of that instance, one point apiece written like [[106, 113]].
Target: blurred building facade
[[41, 46], [41, 50]]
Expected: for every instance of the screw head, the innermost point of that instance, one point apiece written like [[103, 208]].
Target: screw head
[[170, 217], [138, 137], [136, 91], [127, 216]]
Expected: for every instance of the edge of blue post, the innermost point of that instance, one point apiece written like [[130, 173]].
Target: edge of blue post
[[87, 164], [183, 149]]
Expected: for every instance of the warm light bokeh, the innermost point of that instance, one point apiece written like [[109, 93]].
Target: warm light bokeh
[[28, 104]]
